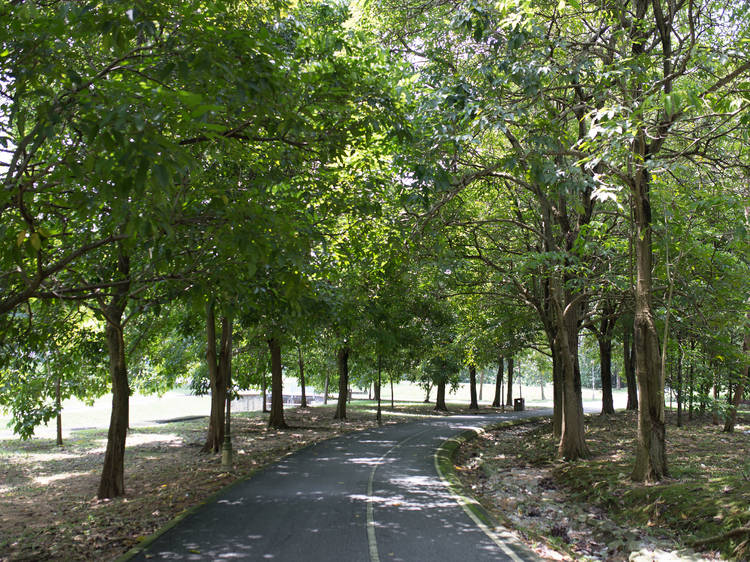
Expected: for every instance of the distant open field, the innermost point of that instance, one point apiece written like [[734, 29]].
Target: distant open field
[[145, 410]]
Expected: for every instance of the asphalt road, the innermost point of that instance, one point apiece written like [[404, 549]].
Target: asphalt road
[[372, 495]]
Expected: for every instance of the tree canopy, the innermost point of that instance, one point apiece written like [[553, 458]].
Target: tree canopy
[[422, 187]]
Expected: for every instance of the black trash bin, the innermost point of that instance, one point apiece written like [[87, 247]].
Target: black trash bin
[[519, 404]]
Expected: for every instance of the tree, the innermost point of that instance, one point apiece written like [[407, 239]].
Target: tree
[[219, 369], [497, 401]]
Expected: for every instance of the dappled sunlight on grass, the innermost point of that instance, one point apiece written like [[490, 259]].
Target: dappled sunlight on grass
[[139, 438], [44, 480]]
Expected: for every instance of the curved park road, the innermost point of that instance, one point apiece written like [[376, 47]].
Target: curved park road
[[371, 495]]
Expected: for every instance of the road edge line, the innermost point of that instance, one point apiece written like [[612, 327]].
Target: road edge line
[[497, 533]]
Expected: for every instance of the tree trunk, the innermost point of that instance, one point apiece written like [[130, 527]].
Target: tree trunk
[[325, 389], [440, 401], [628, 355], [572, 441], [541, 389], [651, 456], [112, 482], [58, 405], [379, 416], [473, 387], [691, 383], [739, 391], [704, 389], [717, 391], [679, 383], [264, 390], [303, 400], [342, 359], [481, 384], [276, 419], [605, 362], [557, 394], [217, 372], [390, 377], [498, 400], [427, 396], [509, 385]]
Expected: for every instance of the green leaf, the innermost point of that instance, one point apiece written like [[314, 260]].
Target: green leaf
[[161, 174], [190, 99], [201, 110]]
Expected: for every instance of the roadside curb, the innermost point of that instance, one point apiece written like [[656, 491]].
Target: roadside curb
[[498, 533]]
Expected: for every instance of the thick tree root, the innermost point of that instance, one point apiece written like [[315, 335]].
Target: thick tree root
[[738, 532]]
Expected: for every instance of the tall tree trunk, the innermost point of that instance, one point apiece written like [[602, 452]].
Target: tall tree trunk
[[390, 377], [225, 365], [509, 385], [739, 391], [303, 400], [651, 455], [218, 367], [691, 382], [325, 389], [276, 419], [473, 387], [427, 395], [58, 406], [572, 441], [605, 362], [628, 354], [498, 400], [440, 401], [342, 359], [264, 389], [379, 385], [557, 393], [717, 392], [704, 389], [679, 383], [112, 482]]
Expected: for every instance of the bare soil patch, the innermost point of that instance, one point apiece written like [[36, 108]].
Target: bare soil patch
[[590, 510]]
